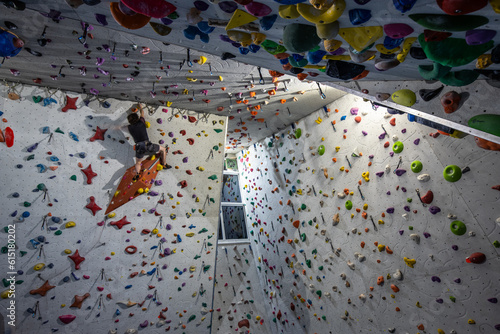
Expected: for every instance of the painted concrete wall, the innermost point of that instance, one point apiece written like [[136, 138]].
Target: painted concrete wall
[[193, 209], [326, 277]]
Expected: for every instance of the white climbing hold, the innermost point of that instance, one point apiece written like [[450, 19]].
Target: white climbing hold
[[415, 237], [423, 177], [395, 138], [343, 276], [452, 216], [362, 297], [113, 331], [341, 195], [351, 265], [387, 169], [327, 294], [334, 288], [497, 220], [398, 275], [472, 234], [359, 256], [131, 331], [354, 231], [405, 216]]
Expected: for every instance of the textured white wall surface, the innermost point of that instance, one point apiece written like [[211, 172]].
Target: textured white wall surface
[[322, 277], [181, 287]]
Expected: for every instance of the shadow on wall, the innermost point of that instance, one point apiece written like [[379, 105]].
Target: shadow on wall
[[115, 145]]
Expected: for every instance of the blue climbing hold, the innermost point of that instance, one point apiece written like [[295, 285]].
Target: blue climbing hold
[[45, 130], [128, 286], [284, 61], [117, 312], [42, 168], [34, 243], [267, 22], [243, 50], [48, 100], [404, 5], [54, 158], [390, 43], [73, 136], [41, 238], [151, 272], [254, 48], [179, 238], [66, 279], [204, 27], [13, 214], [56, 219], [32, 147], [19, 166], [359, 16], [316, 56], [15, 195], [26, 214], [82, 155], [191, 32], [343, 118]]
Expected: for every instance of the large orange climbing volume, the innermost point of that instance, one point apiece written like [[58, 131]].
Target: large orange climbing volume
[[127, 190]]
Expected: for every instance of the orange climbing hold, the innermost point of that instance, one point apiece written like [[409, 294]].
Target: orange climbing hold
[[296, 223], [362, 244], [388, 250], [394, 288]]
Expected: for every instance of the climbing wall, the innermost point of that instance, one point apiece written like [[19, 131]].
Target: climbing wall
[[346, 243], [239, 302], [148, 264]]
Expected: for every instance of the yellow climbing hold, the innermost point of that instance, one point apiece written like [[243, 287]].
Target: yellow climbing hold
[[440, 331], [381, 247], [240, 18], [483, 61], [337, 148], [404, 97], [410, 262], [154, 231], [406, 48], [338, 57], [365, 206], [325, 16], [70, 224], [418, 305], [327, 31], [257, 39], [68, 251], [361, 37], [257, 318], [140, 190], [382, 49], [39, 266], [202, 60], [471, 322], [381, 222], [190, 234], [288, 12], [112, 214], [63, 305], [148, 125], [366, 176], [332, 44], [495, 4], [5, 294]]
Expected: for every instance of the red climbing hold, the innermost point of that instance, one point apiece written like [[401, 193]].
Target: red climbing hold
[[92, 206], [461, 7], [435, 36], [99, 134], [192, 119], [244, 323], [428, 197], [67, 318], [279, 315], [476, 258], [496, 187], [120, 223], [77, 259], [89, 173], [70, 103], [393, 121]]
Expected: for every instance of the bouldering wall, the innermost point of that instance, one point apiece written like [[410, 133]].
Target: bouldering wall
[[239, 302], [346, 243], [149, 264]]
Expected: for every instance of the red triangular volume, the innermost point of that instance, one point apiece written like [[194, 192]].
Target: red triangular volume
[[152, 8], [127, 190]]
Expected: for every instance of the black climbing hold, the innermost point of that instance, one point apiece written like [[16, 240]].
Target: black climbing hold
[[343, 70], [227, 55], [429, 94], [417, 53], [296, 70], [10, 25]]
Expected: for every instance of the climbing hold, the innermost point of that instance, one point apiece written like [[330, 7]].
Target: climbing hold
[[397, 30], [476, 258], [300, 37], [89, 173], [404, 97], [77, 259], [410, 262], [67, 318], [416, 166], [398, 147], [361, 38], [452, 173], [348, 205], [461, 7], [325, 16], [442, 22], [458, 227], [450, 102], [92, 206], [404, 5], [428, 94]]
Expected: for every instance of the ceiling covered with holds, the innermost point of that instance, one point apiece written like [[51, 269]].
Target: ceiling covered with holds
[[106, 49]]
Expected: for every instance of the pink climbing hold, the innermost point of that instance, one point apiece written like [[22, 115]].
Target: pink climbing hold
[[258, 9], [67, 318], [397, 30]]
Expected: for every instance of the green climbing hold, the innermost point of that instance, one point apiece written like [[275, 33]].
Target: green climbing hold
[[433, 72], [73, 177], [416, 166], [213, 177], [319, 293], [398, 147], [453, 51], [23, 253], [30, 157], [308, 263], [205, 268], [191, 318], [303, 237], [203, 230], [348, 205], [27, 204], [320, 268], [210, 236], [460, 78], [310, 222], [409, 200], [452, 173], [321, 149], [197, 257], [5, 282], [303, 207], [19, 282], [179, 289], [323, 317], [58, 232], [314, 251], [173, 16], [209, 244], [218, 130], [41, 186], [298, 133], [4, 250], [453, 299], [249, 316], [176, 270], [443, 22], [58, 130], [410, 228], [458, 227], [272, 47], [496, 244], [300, 38]]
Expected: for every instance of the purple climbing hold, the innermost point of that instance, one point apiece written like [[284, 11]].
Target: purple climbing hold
[[371, 156], [185, 160], [167, 251], [201, 5], [354, 111], [454, 247], [388, 193], [258, 9], [382, 136], [391, 153], [158, 182], [439, 301], [166, 21], [101, 19], [153, 193], [400, 171], [493, 300], [403, 131], [407, 208], [416, 141], [159, 121], [380, 174], [170, 134], [436, 279], [427, 235], [434, 210], [364, 133], [479, 36], [228, 6], [144, 324], [168, 227], [457, 280], [225, 38], [401, 232], [390, 210], [403, 189], [497, 327]]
